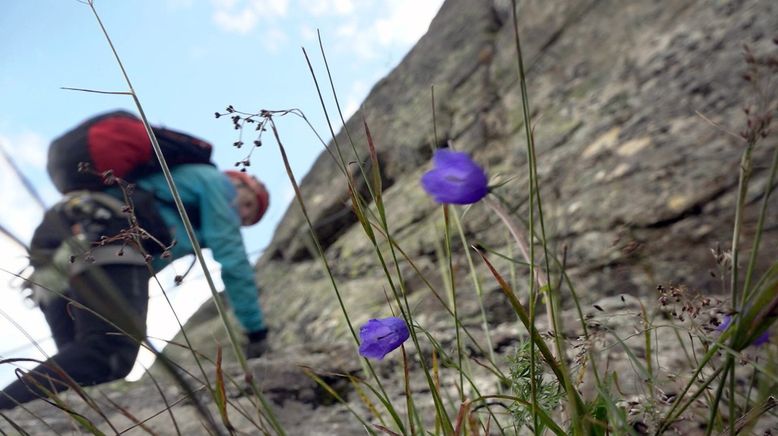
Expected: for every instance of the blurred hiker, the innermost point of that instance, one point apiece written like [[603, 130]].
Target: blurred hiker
[[90, 253]]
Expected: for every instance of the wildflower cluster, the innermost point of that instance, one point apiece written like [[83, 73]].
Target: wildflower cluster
[[455, 179]]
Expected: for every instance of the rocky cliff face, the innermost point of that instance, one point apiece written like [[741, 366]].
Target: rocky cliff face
[[632, 104]]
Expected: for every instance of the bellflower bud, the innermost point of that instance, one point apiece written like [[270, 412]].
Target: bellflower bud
[[455, 178], [380, 336]]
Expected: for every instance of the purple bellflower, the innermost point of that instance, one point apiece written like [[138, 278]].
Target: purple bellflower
[[761, 340], [380, 336], [455, 178]]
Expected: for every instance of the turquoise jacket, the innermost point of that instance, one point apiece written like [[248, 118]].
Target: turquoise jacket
[[205, 189]]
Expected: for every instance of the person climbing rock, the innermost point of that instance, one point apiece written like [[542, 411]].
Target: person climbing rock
[[94, 252]]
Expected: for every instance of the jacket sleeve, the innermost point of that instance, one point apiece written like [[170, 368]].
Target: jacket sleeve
[[220, 231]]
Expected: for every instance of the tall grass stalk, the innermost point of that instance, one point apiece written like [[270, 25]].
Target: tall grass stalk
[[312, 375], [453, 296], [753, 305], [742, 191], [769, 187], [534, 190], [494, 368], [538, 277], [478, 289], [649, 380], [359, 209], [743, 179], [399, 294], [265, 410], [111, 294], [741, 321], [533, 332], [678, 406], [125, 324], [384, 397]]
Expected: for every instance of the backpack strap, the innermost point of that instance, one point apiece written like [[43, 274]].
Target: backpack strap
[[192, 211]]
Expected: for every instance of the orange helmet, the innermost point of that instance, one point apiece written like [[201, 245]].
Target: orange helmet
[[251, 182]]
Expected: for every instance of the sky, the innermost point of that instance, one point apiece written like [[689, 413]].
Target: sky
[[186, 59]]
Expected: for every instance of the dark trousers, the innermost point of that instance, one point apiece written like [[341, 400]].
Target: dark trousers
[[91, 350]]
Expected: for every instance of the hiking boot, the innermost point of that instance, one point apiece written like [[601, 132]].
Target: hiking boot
[[257, 344]]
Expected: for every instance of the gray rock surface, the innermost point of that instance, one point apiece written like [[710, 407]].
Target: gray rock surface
[[633, 108], [632, 105]]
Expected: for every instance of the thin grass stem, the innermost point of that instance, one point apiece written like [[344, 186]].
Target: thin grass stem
[[478, 289], [193, 239], [760, 227], [714, 405]]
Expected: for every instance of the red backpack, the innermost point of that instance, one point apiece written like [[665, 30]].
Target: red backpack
[[117, 141]]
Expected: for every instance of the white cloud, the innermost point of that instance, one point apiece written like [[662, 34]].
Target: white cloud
[[13, 258], [307, 33], [328, 7], [368, 32], [274, 39], [20, 216], [242, 16], [346, 30], [180, 4], [288, 195], [27, 148], [20, 210], [355, 40], [272, 8], [27, 320], [406, 21], [224, 4], [343, 6], [354, 98], [362, 29], [240, 22]]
